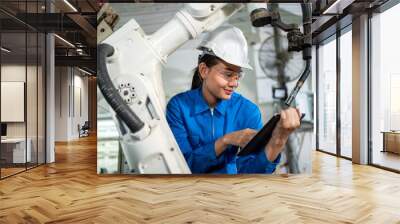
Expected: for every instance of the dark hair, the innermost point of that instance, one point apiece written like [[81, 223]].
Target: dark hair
[[209, 60]]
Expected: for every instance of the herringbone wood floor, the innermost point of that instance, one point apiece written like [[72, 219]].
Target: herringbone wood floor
[[70, 191]]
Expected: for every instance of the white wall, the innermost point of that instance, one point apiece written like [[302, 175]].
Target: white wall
[[16, 73], [70, 84], [79, 117], [33, 126], [61, 105]]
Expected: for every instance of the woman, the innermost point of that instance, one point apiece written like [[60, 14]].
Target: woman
[[211, 121]]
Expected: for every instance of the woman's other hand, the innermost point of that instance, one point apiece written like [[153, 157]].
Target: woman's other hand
[[240, 138]]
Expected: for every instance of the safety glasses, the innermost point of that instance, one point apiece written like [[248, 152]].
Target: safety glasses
[[229, 75]]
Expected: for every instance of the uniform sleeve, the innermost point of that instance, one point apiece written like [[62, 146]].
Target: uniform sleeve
[[199, 159], [255, 162]]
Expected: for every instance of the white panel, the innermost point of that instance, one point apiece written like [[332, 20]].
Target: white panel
[[12, 101], [77, 113], [77, 102]]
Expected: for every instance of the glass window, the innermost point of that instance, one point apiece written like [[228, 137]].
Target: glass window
[[22, 90], [14, 149], [385, 89], [327, 96], [346, 93]]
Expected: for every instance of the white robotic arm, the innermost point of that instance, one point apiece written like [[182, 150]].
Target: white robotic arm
[[129, 77]]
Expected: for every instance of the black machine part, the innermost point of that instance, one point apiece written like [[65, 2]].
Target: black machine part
[[111, 94], [297, 41], [299, 84], [263, 17]]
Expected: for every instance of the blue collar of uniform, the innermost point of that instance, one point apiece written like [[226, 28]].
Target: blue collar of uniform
[[201, 104]]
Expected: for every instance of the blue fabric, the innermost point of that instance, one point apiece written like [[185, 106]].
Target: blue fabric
[[196, 128]]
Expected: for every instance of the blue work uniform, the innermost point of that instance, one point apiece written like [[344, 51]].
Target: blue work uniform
[[196, 127]]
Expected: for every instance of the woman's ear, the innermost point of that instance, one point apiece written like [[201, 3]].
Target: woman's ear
[[203, 70]]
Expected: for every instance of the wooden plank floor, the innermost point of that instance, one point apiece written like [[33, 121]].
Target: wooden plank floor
[[10, 171], [70, 191]]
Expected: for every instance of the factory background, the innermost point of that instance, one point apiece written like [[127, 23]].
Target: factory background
[[178, 72]]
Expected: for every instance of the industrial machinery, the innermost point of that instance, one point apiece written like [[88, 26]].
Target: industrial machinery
[[297, 41], [129, 77]]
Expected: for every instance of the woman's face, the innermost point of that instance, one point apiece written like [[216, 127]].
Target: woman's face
[[221, 79]]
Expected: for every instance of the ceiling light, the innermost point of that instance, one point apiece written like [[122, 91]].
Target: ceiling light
[[5, 50], [84, 71], [331, 7], [337, 7], [71, 6], [65, 41], [80, 51]]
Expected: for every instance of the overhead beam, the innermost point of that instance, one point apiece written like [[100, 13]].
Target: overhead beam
[[49, 22], [81, 21], [84, 61], [86, 26]]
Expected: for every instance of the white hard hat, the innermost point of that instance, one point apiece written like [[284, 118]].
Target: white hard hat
[[227, 43]]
